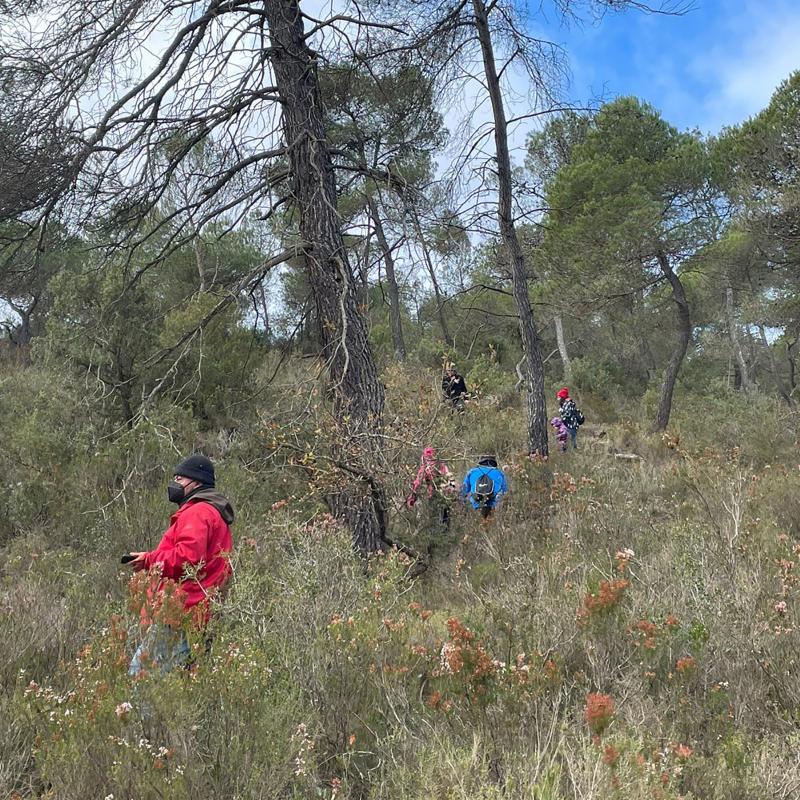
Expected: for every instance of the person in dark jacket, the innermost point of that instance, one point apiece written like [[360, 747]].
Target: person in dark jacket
[[484, 485], [570, 414], [454, 388], [192, 560]]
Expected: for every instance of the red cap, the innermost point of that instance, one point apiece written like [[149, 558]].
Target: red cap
[[563, 393]]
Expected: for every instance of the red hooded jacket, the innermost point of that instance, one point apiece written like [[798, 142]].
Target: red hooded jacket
[[199, 535]]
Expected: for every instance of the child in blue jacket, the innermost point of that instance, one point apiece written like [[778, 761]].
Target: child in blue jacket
[[483, 485]]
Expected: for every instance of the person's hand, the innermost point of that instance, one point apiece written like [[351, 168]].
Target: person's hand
[[137, 562]]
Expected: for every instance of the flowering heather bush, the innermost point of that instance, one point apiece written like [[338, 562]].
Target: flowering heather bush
[[138, 737], [644, 633], [610, 755], [685, 665], [607, 597], [156, 599], [599, 712], [468, 669]]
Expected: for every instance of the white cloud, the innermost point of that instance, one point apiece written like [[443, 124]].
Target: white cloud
[[714, 66], [742, 70]]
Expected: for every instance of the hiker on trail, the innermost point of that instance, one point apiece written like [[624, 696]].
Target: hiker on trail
[[192, 566], [454, 388], [484, 485], [433, 477], [435, 482], [570, 414], [562, 433]]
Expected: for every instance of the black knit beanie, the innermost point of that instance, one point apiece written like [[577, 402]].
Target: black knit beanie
[[198, 468]]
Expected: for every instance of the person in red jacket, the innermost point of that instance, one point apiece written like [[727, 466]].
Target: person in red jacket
[[192, 563]]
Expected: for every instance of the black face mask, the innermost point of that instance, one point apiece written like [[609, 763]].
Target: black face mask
[[175, 492]]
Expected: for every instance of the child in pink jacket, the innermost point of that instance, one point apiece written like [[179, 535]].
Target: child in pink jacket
[[433, 477], [434, 482], [562, 433]]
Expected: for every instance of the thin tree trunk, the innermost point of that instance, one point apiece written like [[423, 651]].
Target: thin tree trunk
[[737, 376], [562, 348], [363, 269], [437, 292], [536, 406], [357, 392], [123, 388], [754, 358], [265, 310], [395, 319], [684, 326], [647, 359], [200, 262], [646, 351], [773, 366], [733, 333], [791, 355], [21, 334], [729, 371]]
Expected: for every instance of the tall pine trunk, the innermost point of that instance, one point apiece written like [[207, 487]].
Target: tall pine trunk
[[437, 292], [683, 324], [562, 348], [531, 349], [357, 392], [395, 318], [733, 335]]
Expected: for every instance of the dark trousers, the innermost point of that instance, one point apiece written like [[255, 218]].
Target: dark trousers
[[573, 433]]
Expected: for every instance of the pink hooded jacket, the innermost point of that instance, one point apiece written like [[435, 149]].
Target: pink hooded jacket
[[431, 474]]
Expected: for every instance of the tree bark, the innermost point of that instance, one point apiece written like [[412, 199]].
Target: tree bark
[[358, 395], [531, 348], [437, 292], [395, 319], [733, 333], [684, 326], [562, 348]]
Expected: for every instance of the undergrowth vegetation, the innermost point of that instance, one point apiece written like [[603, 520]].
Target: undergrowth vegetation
[[621, 628]]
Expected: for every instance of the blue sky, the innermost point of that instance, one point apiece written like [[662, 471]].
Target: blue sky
[[715, 65]]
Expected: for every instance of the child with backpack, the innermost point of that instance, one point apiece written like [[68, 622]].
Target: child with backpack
[[570, 414], [562, 433], [484, 485]]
